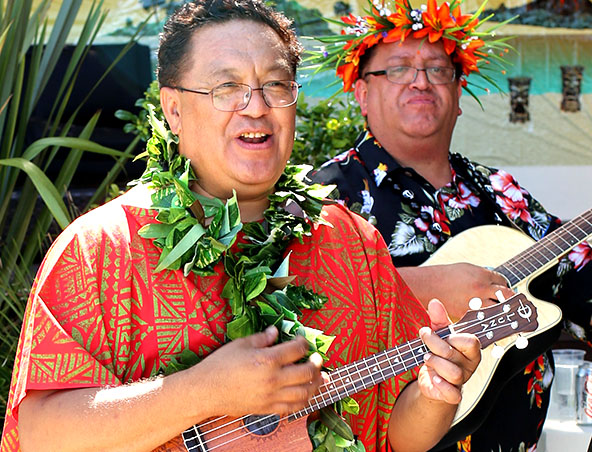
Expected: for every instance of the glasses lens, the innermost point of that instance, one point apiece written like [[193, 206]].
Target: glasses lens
[[440, 75], [279, 93], [404, 74], [400, 74], [231, 96]]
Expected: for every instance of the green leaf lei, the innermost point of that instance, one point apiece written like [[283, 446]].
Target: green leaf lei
[[195, 233]]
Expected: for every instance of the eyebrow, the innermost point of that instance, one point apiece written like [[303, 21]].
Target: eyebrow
[[429, 58], [232, 73]]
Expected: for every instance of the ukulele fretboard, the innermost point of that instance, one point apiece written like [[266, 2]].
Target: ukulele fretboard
[[544, 252]]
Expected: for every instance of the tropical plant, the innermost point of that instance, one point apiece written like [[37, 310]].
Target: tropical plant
[[28, 56], [324, 129]]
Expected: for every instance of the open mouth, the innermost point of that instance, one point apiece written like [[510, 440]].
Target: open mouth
[[254, 137]]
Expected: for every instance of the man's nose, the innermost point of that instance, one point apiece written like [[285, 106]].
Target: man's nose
[[421, 80], [256, 105]]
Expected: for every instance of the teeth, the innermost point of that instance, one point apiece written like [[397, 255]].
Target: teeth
[[253, 135]]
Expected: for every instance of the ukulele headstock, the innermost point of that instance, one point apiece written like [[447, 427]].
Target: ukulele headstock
[[515, 315]]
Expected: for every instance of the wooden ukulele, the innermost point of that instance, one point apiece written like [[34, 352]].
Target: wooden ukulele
[[272, 433], [519, 259]]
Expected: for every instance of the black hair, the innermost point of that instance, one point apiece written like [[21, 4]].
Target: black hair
[[180, 27]]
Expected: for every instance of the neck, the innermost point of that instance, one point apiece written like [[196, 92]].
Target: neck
[[251, 207], [430, 160]]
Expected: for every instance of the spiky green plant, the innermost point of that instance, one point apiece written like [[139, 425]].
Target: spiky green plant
[[24, 28]]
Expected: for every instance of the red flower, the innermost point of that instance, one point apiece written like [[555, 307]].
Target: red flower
[[463, 198], [515, 210], [505, 183], [581, 255], [466, 56], [435, 21], [349, 71], [433, 223]]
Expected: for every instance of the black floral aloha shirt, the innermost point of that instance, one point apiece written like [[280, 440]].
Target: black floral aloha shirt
[[415, 219]]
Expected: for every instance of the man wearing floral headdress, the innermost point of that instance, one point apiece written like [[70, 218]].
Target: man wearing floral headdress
[[219, 285], [407, 68]]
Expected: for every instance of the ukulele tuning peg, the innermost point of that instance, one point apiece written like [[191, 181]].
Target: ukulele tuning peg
[[497, 351], [500, 296], [521, 342], [475, 303]]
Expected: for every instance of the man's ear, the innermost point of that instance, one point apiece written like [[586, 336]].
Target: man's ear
[[361, 95], [170, 102]]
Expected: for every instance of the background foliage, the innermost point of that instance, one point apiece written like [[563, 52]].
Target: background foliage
[[32, 206]]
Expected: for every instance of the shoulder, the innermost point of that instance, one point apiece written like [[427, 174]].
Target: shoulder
[[112, 216], [341, 224], [108, 223], [337, 170]]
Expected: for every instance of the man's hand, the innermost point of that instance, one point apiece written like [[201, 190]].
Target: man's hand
[[454, 285], [424, 411], [251, 375], [450, 363]]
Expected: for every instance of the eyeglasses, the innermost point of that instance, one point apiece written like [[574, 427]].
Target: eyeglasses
[[231, 96], [403, 75]]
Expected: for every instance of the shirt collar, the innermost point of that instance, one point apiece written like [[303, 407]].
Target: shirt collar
[[381, 164], [376, 159]]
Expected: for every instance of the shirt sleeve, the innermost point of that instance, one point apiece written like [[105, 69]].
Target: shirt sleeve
[[65, 340]]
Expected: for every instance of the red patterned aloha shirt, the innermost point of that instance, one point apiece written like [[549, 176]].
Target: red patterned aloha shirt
[[99, 315]]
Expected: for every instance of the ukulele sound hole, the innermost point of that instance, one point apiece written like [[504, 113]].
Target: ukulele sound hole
[[262, 424]]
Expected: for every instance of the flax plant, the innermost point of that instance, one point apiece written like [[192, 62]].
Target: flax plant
[[23, 28]]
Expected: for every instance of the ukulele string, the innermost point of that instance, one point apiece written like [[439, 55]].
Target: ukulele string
[[246, 434], [343, 387], [413, 343], [550, 240], [459, 327]]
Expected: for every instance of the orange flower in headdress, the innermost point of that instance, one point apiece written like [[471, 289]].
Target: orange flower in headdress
[[435, 20], [467, 56]]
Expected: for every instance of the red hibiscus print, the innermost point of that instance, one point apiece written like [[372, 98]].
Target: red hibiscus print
[[581, 255], [505, 183]]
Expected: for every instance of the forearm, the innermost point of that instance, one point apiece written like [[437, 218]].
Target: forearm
[[247, 375], [419, 280], [136, 417], [418, 423]]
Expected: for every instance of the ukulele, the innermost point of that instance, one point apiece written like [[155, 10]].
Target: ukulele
[[518, 258], [273, 433]]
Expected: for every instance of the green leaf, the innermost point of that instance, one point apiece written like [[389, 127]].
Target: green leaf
[[337, 424], [185, 360], [283, 269], [255, 283], [46, 189], [269, 315], [349, 405], [241, 327], [185, 244], [155, 230], [68, 142]]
